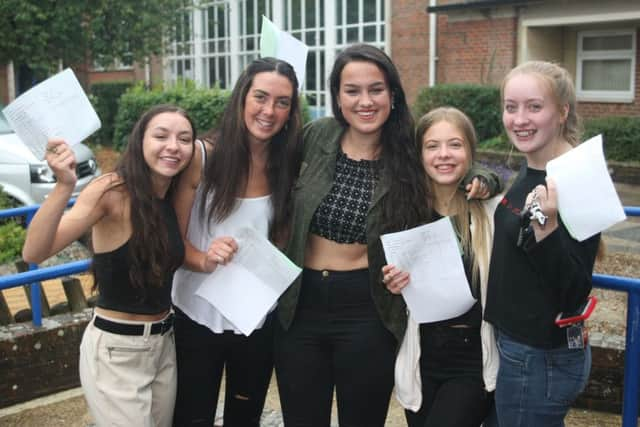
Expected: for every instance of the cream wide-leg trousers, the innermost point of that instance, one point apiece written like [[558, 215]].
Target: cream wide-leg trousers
[[128, 380]]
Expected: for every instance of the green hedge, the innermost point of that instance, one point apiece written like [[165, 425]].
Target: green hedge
[[11, 233], [620, 135], [11, 240], [105, 98], [205, 106], [481, 103]]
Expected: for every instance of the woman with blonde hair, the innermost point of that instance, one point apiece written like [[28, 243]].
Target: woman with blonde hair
[[538, 270], [457, 357]]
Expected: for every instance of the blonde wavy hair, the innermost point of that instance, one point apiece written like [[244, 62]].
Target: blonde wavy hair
[[467, 211]]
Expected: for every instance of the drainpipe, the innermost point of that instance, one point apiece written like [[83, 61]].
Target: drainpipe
[[433, 19], [147, 72], [11, 82]]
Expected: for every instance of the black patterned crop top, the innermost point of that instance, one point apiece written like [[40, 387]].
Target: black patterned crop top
[[342, 214]]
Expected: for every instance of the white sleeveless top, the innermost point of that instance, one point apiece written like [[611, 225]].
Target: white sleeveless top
[[253, 212]]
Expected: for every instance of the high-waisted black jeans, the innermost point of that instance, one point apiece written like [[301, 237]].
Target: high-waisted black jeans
[[336, 340], [453, 393], [202, 355]]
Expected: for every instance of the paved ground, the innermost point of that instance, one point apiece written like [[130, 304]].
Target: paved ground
[[69, 409]]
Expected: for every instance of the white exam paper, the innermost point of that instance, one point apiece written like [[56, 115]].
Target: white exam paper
[[282, 45], [587, 199], [55, 108], [438, 288], [248, 287]]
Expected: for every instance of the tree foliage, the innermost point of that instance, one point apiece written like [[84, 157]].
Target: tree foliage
[[41, 33]]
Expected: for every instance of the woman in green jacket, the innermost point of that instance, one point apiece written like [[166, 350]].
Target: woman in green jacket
[[360, 176]]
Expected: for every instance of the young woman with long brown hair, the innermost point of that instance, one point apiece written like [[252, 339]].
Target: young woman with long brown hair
[[127, 354]]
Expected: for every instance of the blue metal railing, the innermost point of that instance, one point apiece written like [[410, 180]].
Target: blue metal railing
[[624, 284], [45, 273]]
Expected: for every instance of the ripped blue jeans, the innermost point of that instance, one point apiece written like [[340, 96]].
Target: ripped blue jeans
[[536, 387]]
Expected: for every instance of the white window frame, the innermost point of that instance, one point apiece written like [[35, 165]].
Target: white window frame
[[204, 41], [196, 51], [628, 54], [187, 48]]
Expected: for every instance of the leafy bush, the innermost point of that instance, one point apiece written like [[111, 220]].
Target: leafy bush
[[11, 240], [620, 136], [105, 98], [5, 201], [205, 106], [12, 231], [481, 103], [497, 143]]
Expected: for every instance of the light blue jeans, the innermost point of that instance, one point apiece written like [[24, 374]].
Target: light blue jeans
[[535, 386]]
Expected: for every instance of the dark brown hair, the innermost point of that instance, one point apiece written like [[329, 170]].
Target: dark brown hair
[[227, 172], [406, 204], [148, 245]]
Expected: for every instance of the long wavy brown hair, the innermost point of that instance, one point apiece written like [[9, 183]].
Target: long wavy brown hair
[[148, 245], [407, 203], [227, 172]]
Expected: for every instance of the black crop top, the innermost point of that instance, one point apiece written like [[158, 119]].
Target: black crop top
[[342, 214], [115, 291]]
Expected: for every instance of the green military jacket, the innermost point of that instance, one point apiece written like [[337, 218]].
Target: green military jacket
[[321, 142]]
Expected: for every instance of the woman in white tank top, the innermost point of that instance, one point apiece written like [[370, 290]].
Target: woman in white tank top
[[240, 176]]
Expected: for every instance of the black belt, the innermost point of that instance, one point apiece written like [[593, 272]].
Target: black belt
[[128, 329]]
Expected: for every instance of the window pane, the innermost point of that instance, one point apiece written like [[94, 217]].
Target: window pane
[[606, 75], [310, 14], [310, 39], [352, 11], [352, 35], [209, 70], [370, 33], [311, 72], [618, 42], [221, 23], [296, 10], [222, 72], [369, 10]]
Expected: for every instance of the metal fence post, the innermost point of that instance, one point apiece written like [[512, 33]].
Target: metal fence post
[[631, 362], [36, 307]]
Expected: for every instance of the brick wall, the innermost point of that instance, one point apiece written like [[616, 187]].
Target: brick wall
[[4, 90], [110, 76], [475, 51], [410, 44]]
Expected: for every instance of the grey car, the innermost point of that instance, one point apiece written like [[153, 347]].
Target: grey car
[[26, 179]]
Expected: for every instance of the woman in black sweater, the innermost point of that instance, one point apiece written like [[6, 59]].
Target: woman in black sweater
[[538, 271]]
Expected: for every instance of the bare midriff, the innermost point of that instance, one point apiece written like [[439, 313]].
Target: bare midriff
[[131, 316], [324, 254]]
